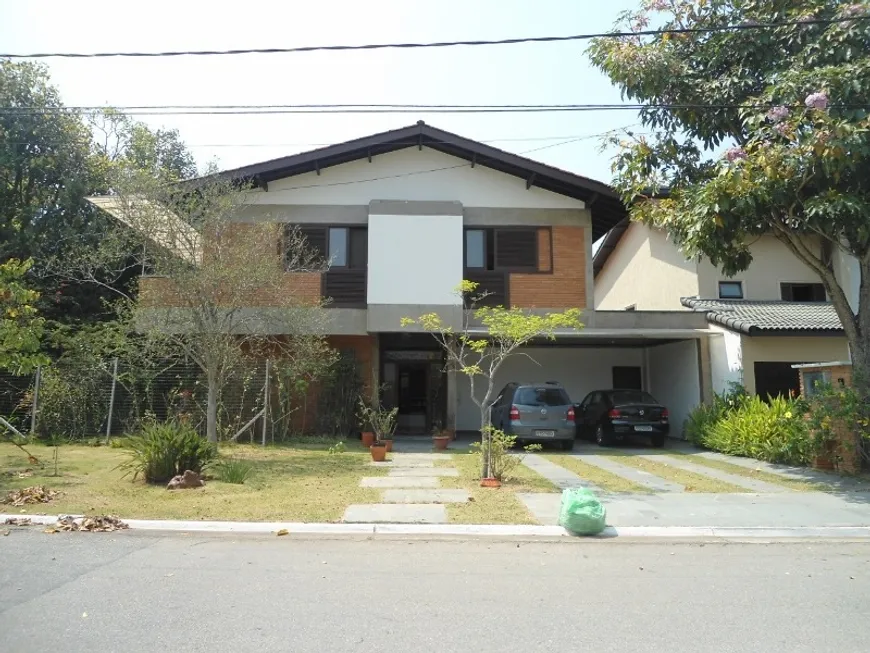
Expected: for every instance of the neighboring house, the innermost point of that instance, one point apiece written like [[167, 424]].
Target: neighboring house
[[763, 321], [405, 215]]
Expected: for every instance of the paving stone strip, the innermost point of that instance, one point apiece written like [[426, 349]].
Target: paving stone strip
[[412, 491], [804, 474], [559, 476], [750, 484], [442, 495], [631, 473], [396, 513], [400, 482], [423, 471]]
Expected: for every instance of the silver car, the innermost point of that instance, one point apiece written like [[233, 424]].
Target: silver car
[[536, 412]]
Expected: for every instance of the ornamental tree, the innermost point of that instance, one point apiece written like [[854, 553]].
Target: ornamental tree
[[21, 328], [485, 339], [758, 130]]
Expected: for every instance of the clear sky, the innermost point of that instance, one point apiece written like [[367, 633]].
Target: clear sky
[[548, 73]]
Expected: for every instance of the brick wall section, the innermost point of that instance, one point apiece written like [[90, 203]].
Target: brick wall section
[[544, 250], [566, 286], [305, 419], [241, 240], [837, 372]]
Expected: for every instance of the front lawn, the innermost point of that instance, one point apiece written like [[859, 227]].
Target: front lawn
[[292, 483]]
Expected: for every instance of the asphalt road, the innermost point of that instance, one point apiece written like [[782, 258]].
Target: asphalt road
[[142, 592]]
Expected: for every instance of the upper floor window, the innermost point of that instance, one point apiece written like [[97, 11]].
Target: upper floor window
[[802, 292], [730, 290], [505, 248], [340, 247]]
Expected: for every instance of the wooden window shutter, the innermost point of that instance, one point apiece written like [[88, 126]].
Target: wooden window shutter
[[316, 237], [516, 249]]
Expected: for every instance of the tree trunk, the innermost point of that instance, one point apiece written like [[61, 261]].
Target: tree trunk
[[211, 414], [485, 470]]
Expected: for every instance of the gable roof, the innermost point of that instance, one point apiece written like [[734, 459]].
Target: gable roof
[[769, 317], [603, 202]]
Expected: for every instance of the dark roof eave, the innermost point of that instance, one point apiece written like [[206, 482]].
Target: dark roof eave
[[608, 208]]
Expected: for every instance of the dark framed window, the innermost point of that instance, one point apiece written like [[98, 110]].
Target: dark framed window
[[348, 247], [505, 248], [730, 290], [475, 249], [803, 292]]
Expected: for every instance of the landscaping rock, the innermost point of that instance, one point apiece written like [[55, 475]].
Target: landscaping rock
[[185, 481]]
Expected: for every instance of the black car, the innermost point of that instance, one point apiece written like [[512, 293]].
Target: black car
[[610, 415]]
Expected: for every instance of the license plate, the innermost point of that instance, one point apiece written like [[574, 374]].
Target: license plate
[[643, 428], [545, 434]]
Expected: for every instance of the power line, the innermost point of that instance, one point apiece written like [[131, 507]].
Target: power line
[[339, 109], [438, 44]]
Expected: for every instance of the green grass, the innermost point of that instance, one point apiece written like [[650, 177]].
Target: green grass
[[691, 481], [293, 483], [492, 505], [600, 477], [761, 475]]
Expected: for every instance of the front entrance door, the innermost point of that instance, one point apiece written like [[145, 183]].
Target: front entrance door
[[412, 397]]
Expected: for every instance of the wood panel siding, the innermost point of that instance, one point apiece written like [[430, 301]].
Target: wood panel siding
[[565, 287], [493, 282], [345, 288]]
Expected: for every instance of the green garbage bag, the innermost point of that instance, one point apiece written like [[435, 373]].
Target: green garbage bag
[[581, 512]]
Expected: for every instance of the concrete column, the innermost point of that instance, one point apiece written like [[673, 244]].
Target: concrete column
[[375, 365], [705, 370]]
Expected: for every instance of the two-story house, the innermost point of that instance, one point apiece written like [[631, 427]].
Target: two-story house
[[403, 216], [762, 321]]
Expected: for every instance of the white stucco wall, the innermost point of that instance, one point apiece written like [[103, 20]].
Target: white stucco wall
[[674, 380], [414, 259], [726, 359], [410, 174], [646, 269], [772, 264], [781, 349], [580, 370]]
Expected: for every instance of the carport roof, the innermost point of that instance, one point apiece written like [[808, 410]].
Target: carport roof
[[769, 317]]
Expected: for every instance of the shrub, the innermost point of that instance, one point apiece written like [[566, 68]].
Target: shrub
[[774, 431], [165, 449], [234, 470], [502, 461], [704, 417]]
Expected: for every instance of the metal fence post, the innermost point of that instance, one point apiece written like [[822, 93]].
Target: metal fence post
[[112, 400], [35, 408], [266, 401]]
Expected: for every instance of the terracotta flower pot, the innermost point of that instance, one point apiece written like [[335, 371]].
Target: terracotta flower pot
[[379, 452], [490, 482], [441, 442], [368, 439], [389, 445]]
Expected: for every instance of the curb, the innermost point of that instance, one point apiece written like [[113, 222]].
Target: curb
[[472, 530]]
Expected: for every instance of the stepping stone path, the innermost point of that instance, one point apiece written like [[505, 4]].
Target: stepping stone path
[[412, 492]]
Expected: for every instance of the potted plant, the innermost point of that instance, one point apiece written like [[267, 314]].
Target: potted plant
[[383, 425], [440, 438], [363, 413]]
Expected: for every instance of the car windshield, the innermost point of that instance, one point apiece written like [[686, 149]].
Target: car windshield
[[542, 397], [632, 397]]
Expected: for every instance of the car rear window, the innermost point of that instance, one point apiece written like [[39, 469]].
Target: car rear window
[[542, 397], [632, 397]]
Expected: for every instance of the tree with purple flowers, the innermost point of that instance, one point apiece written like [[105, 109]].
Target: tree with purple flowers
[[761, 130]]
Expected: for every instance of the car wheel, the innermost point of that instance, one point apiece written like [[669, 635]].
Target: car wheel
[[658, 441], [601, 437], [567, 445]]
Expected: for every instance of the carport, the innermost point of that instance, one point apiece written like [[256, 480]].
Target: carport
[[663, 352]]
